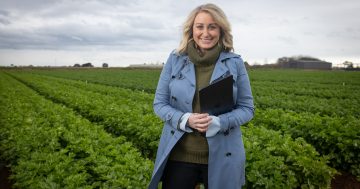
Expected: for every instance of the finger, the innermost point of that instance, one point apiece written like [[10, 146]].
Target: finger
[[197, 120], [202, 129], [199, 116], [204, 120], [201, 126]]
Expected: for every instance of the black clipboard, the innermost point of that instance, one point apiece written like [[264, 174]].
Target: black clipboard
[[217, 98]]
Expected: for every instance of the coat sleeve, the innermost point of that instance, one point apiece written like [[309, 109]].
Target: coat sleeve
[[244, 107], [162, 106]]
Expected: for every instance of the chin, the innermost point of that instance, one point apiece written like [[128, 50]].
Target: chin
[[208, 45]]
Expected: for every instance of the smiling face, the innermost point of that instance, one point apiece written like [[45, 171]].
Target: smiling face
[[206, 32]]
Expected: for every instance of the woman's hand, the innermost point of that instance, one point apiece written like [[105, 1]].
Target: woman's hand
[[200, 122]]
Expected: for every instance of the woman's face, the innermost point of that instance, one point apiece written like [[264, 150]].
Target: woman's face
[[206, 32]]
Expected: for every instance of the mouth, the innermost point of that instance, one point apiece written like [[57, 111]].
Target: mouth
[[206, 40]]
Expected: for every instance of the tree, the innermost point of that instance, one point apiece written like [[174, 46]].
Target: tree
[[348, 64], [87, 65]]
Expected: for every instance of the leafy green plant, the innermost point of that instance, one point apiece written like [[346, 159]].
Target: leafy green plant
[[48, 146], [336, 137], [277, 161]]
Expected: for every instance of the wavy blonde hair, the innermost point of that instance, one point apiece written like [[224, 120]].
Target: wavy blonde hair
[[219, 17]]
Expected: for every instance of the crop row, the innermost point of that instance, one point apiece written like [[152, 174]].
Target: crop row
[[315, 83], [121, 111], [339, 91], [134, 79], [327, 107], [306, 77], [274, 160], [48, 146], [335, 136], [332, 98]]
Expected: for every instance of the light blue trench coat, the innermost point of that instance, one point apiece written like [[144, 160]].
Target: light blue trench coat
[[173, 98]]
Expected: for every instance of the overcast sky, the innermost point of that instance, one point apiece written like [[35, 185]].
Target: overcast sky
[[119, 32]]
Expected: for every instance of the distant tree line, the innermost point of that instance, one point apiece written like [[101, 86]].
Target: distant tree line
[[297, 62], [89, 65]]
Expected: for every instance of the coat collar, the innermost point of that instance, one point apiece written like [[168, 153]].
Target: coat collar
[[227, 55]]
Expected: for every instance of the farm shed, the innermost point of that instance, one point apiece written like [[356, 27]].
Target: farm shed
[[304, 63]]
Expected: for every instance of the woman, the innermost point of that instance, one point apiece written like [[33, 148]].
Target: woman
[[197, 147]]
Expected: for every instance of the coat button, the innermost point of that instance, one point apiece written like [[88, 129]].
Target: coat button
[[172, 132], [168, 116], [228, 154]]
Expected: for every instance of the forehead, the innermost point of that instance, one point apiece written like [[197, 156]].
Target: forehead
[[203, 17]]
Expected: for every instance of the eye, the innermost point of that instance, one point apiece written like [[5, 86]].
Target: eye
[[213, 27], [200, 27]]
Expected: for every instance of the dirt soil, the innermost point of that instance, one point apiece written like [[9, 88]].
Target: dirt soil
[[345, 181], [4, 175]]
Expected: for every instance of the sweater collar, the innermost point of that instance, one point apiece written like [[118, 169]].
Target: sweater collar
[[223, 56], [207, 58]]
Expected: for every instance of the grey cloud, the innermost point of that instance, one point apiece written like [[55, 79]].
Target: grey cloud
[[4, 21], [31, 5], [287, 40], [124, 3], [4, 13], [4, 17], [16, 41], [67, 26], [146, 25], [353, 33], [350, 34], [74, 35]]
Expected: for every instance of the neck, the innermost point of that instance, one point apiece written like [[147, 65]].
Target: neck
[[202, 57]]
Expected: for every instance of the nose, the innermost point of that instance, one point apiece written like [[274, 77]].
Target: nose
[[206, 31]]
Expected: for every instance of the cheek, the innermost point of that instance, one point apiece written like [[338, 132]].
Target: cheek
[[215, 37], [216, 34], [196, 33]]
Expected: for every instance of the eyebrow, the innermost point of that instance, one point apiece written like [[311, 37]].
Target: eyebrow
[[204, 24]]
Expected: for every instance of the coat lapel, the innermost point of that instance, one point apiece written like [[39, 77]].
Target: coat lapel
[[189, 71], [220, 68]]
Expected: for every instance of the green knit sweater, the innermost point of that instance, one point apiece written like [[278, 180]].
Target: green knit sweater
[[193, 147]]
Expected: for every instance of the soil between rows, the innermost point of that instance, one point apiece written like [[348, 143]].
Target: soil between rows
[[343, 181]]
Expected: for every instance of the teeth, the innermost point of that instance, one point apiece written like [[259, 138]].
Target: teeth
[[206, 40]]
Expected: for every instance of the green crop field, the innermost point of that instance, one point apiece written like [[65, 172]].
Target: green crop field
[[95, 128]]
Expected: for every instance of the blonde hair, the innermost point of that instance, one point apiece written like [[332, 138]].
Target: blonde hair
[[220, 18]]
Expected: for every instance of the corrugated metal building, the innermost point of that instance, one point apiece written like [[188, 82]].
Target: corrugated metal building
[[305, 63]]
